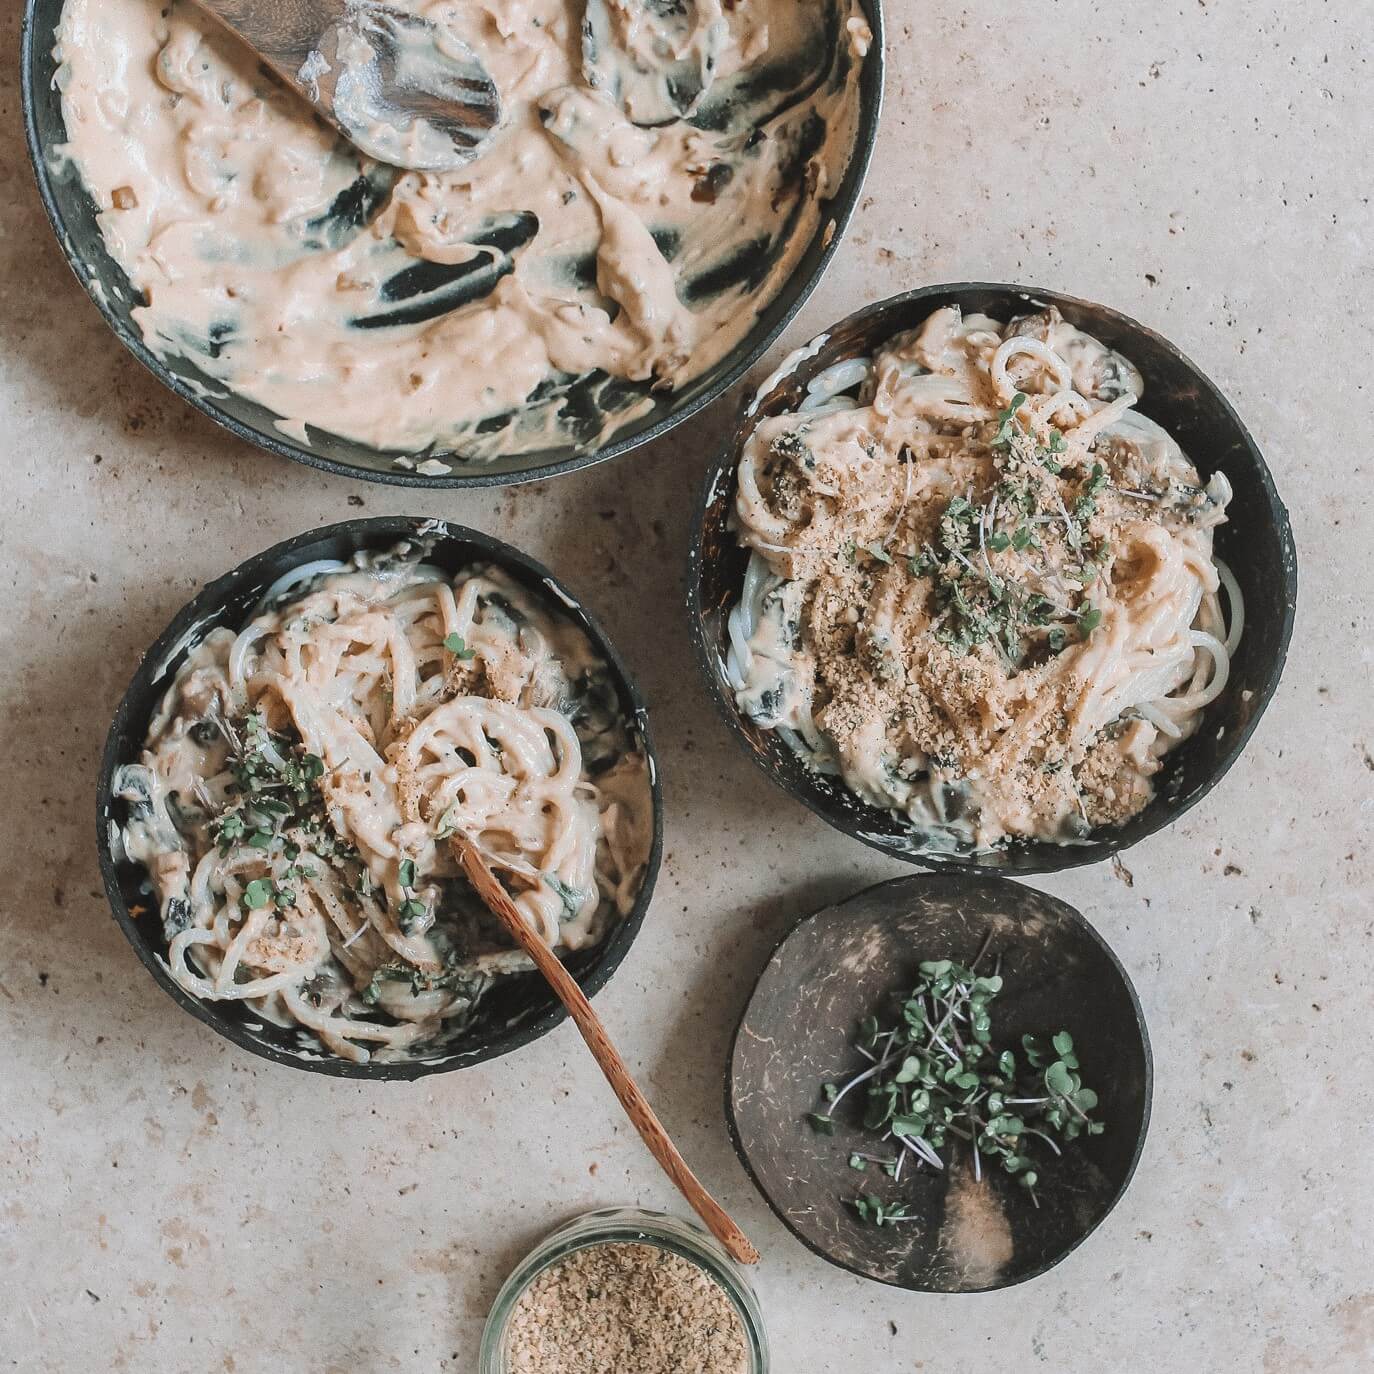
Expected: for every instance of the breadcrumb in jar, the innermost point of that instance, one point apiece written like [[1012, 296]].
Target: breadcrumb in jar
[[631, 1308]]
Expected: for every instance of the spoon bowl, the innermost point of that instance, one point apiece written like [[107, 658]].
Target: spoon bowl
[[396, 85]]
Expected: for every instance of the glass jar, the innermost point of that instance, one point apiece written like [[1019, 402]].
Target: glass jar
[[626, 1226]]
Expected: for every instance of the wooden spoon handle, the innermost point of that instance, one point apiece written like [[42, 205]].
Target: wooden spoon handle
[[283, 33], [636, 1106]]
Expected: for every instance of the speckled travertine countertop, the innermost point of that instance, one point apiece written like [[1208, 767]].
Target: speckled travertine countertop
[[169, 1203]]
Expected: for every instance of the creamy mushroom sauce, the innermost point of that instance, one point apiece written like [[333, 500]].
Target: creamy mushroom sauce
[[532, 298]]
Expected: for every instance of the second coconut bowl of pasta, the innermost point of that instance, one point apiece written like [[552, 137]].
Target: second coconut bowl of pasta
[[284, 775], [992, 577]]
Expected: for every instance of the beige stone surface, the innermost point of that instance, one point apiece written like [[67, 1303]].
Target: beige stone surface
[[169, 1203]]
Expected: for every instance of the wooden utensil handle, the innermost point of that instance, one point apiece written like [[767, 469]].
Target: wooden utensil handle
[[284, 31], [636, 1105]]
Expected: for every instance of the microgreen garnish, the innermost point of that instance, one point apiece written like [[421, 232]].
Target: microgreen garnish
[[979, 601], [1086, 506], [1006, 418], [263, 892], [230, 829], [276, 786], [412, 911], [257, 893], [880, 1213], [420, 981], [276, 808], [456, 645], [933, 1076]]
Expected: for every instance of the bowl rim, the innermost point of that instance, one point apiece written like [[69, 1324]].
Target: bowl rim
[[181, 634], [992, 879], [830, 231], [1036, 857]]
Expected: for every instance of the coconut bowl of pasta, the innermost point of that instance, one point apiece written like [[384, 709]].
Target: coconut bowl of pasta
[[992, 577], [285, 777]]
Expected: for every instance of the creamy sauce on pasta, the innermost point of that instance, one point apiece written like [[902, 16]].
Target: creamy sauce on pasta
[[982, 588], [619, 232], [301, 780]]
